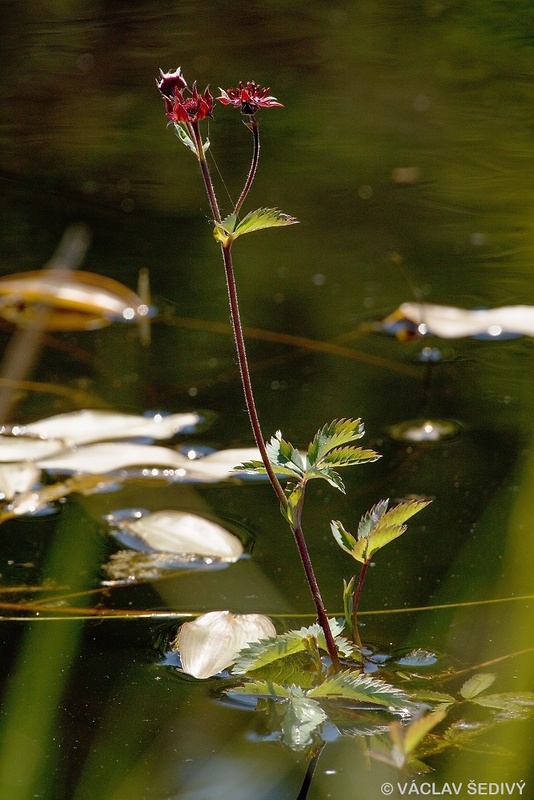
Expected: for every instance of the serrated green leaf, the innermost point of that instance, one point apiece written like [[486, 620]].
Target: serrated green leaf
[[283, 455], [229, 223], [347, 541], [361, 688], [382, 535], [265, 652], [349, 456], [326, 474], [263, 218], [251, 466], [476, 684], [402, 512], [332, 435], [371, 518], [380, 526], [345, 647]]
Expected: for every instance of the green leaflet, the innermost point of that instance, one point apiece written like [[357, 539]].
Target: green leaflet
[[513, 705], [377, 528], [476, 684], [262, 688], [361, 688], [349, 456], [332, 435], [263, 218], [267, 651], [329, 450], [283, 455], [347, 541], [229, 228]]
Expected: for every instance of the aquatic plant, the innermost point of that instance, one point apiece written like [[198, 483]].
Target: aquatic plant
[[332, 447]]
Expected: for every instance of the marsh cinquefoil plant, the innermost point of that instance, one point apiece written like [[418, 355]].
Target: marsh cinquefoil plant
[[333, 447]]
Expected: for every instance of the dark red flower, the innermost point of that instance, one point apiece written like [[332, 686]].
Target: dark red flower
[[248, 98], [170, 82], [180, 108]]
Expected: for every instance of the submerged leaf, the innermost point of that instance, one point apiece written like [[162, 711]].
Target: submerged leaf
[[476, 684], [211, 642], [261, 689], [361, 688], [302, 718], [513, 705]]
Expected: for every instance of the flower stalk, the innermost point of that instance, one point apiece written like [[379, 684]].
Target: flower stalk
[[187, 111]]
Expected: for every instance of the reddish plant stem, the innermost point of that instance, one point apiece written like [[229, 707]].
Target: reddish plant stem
[[253, 167], [247, 386], [356, 603]]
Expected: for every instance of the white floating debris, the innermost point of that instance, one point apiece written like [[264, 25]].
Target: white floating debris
[[15, 447], [84, 426], [73, 300], [113, 456], [16, 479], [132, 566], [452, 323], [181, 532], [211, 642]]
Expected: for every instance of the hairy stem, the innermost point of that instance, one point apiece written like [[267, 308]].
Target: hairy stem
[[253, 166], [248, 391], [356, 603]]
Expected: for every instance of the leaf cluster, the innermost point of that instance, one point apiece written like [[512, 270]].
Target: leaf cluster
[[230, 227], [377, 527]]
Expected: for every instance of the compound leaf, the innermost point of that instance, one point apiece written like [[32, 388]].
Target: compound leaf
[[332, 435]]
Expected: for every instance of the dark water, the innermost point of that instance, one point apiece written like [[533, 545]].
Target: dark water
[[406, 136]]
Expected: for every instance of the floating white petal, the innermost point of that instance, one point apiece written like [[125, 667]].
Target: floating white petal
[[210, 643], [180, 532], [82, 427], [17, 478], [111, 456], [452, 323], [27, 448]]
